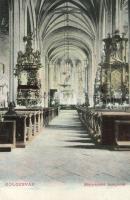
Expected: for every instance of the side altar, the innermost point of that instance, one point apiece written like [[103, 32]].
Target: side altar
[[111, 83]]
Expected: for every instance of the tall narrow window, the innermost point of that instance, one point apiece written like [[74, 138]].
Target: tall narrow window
[[28, 23]]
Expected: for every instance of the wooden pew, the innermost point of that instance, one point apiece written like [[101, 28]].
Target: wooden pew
[[7, 135], [21, 128], [46, 116], [107, 127], [110, 126], [29, 122], [122, 132]]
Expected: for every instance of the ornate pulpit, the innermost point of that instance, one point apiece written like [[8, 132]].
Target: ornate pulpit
[[27, 71]]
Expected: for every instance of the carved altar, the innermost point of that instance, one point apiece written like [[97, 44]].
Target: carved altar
[[111, 84], [27, 71]]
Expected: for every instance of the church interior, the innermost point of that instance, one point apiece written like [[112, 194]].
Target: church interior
[[65, 90]]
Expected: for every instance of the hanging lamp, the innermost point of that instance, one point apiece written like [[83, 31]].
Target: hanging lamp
[[66, 46]]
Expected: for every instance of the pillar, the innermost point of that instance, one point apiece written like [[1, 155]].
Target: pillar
[[11, 35], [129, 45]]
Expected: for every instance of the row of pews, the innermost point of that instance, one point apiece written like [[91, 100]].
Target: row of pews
[[17, 129], [107, 127]]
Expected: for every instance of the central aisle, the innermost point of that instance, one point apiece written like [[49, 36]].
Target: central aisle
[[64, 153]]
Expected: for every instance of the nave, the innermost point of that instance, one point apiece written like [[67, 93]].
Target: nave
[[55, 56], [64, 154]]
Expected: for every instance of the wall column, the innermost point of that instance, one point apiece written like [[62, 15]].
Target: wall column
[[11, 35], [129, 44]]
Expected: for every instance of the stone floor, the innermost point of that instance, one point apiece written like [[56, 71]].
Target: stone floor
[[64, 154]]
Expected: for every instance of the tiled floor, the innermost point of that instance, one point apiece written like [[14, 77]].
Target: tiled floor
[[63, 153]]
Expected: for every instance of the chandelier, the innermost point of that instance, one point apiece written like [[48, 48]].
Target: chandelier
[[66, 39], [66, 48]]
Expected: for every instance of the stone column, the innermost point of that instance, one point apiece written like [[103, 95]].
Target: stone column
[[91, 77], [21, 27], [114, 11], [108, 22], [16, 32], [117, 15], [129, 45], [86, 75], [50, 76], [58, 76], [46, 81], [11, 36], [16, 40]]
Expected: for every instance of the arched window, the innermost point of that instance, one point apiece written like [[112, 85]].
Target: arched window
[[28, 23]]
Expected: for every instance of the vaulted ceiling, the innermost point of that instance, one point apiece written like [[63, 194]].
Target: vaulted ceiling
[[72, 23], [56, 32]]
